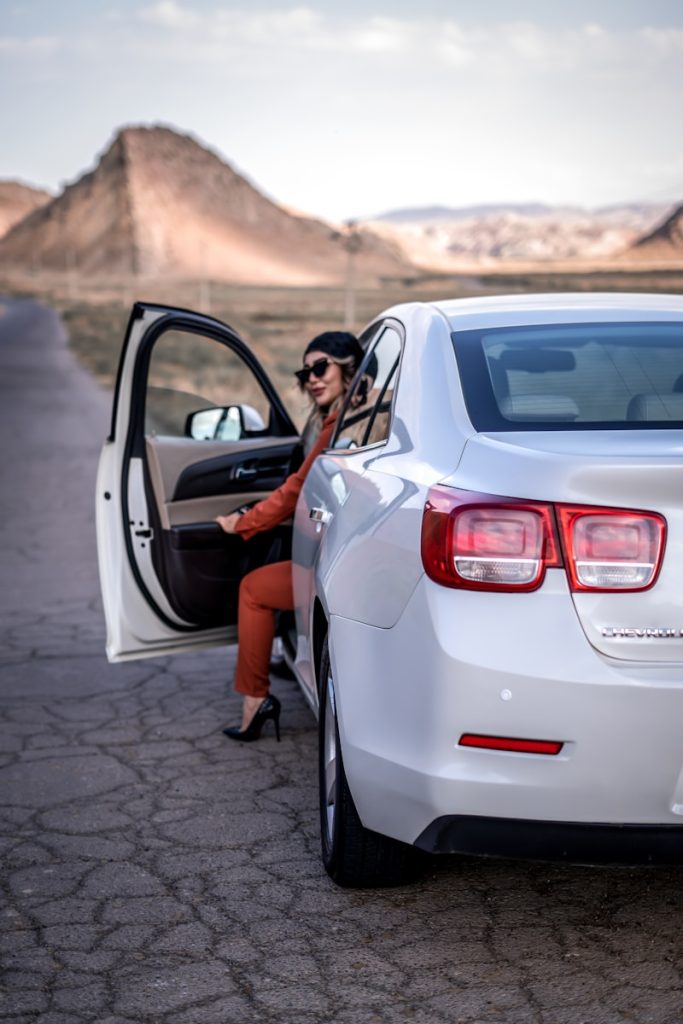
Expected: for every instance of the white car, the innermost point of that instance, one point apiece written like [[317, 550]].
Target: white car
[[487, 566]]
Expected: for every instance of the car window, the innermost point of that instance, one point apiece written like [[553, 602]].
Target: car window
[[573, 376], [367, 416], [188, 373]]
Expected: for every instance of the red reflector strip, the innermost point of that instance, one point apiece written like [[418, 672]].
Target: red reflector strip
[[469, 739]]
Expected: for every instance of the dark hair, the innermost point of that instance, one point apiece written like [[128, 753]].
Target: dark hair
[[338, 344]]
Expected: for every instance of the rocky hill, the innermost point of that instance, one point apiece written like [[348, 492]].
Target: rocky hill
[[439, 236], [17, 201], [160, 204], [664, 244]]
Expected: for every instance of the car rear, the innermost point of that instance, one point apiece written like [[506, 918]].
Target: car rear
[[537, 705]]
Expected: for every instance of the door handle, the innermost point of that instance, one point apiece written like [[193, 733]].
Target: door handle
[[245, 473], [320, 515]]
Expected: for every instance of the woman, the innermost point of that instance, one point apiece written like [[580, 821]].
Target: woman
[[329, 365]]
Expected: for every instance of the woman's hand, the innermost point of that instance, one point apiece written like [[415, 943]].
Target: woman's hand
[[228, 523]]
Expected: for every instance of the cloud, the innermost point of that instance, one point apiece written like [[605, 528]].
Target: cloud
[[664, 42], [171, 15], [454, 47], [299, 25], [378, 35], [431, 43], [182, 32], [37, 46]]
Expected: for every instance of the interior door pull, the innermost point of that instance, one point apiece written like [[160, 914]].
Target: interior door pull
[[244, 472], [320, 515]]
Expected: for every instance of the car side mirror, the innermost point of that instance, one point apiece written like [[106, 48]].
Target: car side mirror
[[223, 423]]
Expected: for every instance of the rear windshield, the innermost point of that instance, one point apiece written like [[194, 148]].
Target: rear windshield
[[573, 376]]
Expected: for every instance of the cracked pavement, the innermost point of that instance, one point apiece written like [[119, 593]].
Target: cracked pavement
[[154, 872]]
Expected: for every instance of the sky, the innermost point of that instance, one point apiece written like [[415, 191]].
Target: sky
[[350, 109]]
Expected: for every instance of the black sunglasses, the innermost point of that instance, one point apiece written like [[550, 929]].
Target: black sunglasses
[[318, 369]]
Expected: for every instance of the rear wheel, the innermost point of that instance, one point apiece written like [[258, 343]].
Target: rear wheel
[[354, 857]]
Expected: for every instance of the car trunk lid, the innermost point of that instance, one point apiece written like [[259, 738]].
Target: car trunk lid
[[620, 469]]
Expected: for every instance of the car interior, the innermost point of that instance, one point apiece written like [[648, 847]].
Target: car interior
[[198, 565], [590, 383], [213, 437]]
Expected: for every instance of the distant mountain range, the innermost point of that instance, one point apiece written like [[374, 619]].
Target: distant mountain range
[[158, 203], [445, 237], [430, 214]]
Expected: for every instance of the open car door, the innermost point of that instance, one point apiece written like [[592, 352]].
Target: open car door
[[197, 431]]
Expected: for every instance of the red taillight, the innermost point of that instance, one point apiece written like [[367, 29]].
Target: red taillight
[[611, 549], [517, 746], [483, 542], [487, 542]]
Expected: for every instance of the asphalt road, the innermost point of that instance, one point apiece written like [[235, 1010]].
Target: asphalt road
[[155, 872]]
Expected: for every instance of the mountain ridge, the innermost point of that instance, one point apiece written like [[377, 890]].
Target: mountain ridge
[[665, 241], [17, 200], [158, 202]]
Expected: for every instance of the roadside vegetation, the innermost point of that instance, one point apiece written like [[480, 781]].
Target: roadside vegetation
[[277, 322]]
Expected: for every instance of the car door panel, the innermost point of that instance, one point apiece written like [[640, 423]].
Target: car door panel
[[189, 487], [201, 566], [198, 565], [169, 574], [241, 472]]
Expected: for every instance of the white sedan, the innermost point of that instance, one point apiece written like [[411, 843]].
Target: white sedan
[[487, 566]]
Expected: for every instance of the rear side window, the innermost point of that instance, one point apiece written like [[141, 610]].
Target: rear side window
[[367, 416], [573, 376]]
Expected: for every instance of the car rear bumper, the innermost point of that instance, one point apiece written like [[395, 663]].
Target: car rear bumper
[[512, 666], [550, 840]]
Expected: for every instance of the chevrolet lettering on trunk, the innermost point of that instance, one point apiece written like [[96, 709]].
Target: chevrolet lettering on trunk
[[645, 632]]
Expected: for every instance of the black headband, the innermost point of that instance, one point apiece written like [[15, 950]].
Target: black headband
[[338, 344]]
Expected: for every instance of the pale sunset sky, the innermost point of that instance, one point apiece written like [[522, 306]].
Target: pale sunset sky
[[345, 110]]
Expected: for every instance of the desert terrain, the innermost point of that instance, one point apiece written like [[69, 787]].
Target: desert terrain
[[163, 218], [277, 321]]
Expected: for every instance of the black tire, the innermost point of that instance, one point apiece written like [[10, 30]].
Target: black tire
[[354, 857]]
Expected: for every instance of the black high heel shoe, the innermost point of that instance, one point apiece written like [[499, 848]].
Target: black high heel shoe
[[270, 708]]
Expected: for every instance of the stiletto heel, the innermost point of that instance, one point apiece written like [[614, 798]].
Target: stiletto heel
[[269, 709]]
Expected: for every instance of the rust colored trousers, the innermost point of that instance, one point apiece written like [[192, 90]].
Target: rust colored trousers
[[262, 592]]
